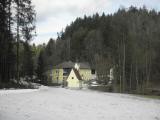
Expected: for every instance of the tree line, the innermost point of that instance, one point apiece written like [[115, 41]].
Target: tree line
[[127, 41], [17, 26]]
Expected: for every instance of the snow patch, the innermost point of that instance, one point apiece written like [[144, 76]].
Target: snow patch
[[17, 91], [65, 104]]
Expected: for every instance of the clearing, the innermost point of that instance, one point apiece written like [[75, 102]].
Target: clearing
[[66, 104]]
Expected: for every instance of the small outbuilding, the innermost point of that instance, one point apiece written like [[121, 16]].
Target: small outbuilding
[[74, 79]]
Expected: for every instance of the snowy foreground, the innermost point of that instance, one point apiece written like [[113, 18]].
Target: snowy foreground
[[65, 104]]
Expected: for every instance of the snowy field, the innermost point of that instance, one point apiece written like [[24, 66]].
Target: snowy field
[[65, 104]]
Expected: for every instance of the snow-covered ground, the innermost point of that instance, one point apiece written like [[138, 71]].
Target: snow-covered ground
[[65, 104]]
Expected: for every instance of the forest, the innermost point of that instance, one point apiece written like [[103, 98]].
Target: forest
[[17, 29], [127, 41]]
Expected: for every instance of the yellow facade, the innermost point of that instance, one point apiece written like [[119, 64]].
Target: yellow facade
[[85, 74], [60, 72], [72, 80], [57, 76]]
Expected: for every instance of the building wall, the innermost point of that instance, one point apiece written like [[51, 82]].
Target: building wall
[[72, 80], [85, 74], [57, 76]]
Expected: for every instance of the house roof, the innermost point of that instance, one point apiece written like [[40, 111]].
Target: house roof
[[70, 64], [77, 74], [84, 65]]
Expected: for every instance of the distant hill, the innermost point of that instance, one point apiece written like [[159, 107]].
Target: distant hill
[[127, 40]]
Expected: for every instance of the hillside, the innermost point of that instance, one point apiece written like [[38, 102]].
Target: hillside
[[127, 41]]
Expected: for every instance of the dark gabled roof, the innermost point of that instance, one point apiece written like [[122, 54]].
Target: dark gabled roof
[[84, 65], [68, 64], [77, 74]]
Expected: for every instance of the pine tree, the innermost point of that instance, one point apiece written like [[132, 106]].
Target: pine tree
[[6, 42], [41, 67], [26, 23], [27, 65]]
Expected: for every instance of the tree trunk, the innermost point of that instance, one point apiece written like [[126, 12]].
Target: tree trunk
[[18, 40], [137, 81], [130, 80], [124, 60], [119, 68]]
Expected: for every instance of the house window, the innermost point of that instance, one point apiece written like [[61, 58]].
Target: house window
[[64, 78], [82, 76], [72, 77], [92, 71], [66, 71]]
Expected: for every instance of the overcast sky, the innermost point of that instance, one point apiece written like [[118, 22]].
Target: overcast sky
[[54, 15]]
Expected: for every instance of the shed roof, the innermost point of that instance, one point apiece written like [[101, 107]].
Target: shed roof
[[77, 74]]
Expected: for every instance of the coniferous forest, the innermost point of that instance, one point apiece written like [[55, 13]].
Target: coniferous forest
[[17, 26], [127, 41], [104, 65]]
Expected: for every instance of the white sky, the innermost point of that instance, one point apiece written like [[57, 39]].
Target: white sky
[[54, 15]]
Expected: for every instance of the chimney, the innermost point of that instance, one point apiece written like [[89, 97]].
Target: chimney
[[77, 66]]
